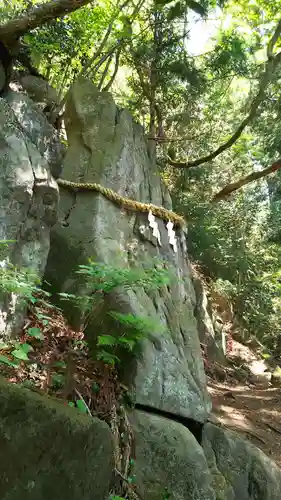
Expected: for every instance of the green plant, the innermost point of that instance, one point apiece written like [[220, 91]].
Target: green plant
[[17, 351], [135, 329], [24, 283], [19, 281], [101, 279]]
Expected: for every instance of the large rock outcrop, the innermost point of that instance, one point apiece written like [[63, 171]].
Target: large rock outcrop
[[107, 147], [28, 193]]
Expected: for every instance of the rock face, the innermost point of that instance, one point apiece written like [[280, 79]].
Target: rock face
[[240, 471], [39, 90], [107, 147], [206, 331], [51, 451], [169, 461], [28, 193]]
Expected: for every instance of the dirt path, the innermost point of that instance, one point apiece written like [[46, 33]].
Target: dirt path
[[252, 411]]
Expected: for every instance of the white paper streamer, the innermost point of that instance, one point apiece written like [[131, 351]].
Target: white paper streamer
[[172, 236], [154, 226]]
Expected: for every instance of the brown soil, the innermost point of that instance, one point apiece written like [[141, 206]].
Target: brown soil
[[252, 410]]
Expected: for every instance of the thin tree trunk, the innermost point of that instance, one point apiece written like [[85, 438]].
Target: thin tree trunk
[[111, 81], [104, 73]]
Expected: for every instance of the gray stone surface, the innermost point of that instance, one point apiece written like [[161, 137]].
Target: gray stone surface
[[169, 461], [107, 147], [39, 90], [240, 470], [51, 451], [38, 130], [207, 334], [28, 195]]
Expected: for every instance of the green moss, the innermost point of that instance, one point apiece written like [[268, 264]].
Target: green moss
[[49, 451]]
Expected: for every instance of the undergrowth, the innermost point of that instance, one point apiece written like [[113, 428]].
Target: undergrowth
[[100, 281], [50, 357], [49, 350]]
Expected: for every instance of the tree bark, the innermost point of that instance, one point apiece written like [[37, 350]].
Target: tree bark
[[37, 16], [234, 186]]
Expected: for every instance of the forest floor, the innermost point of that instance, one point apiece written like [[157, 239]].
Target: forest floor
[[251, 406]]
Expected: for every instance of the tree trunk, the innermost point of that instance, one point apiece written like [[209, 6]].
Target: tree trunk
[[37, 16]]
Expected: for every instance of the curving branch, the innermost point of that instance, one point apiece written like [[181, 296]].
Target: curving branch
[[38, 15], [99, 51], [270, 67], [104, 73], [234, 186], [111, 81], [272, 42]]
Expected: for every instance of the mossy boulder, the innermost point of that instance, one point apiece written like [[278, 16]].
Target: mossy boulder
[[50, 451], [240, 470], [170, 463]]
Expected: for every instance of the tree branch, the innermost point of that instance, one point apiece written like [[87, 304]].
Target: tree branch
[[117, 58], [105, 38], [37, 16], [234, 186], [270, 67], [104, 73], [273, 40]]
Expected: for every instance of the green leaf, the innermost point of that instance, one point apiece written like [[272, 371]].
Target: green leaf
[[36, 333], [43, 316], [57, 380], [163, 2], [106, 340], [6, 242], [21, 351], [67, 296], [60, 364], [19, 354], [95, 387], [266, 355], [128, 343], [24, 347], [81, 406], [107, 358], [5, 360], [29, 384]]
